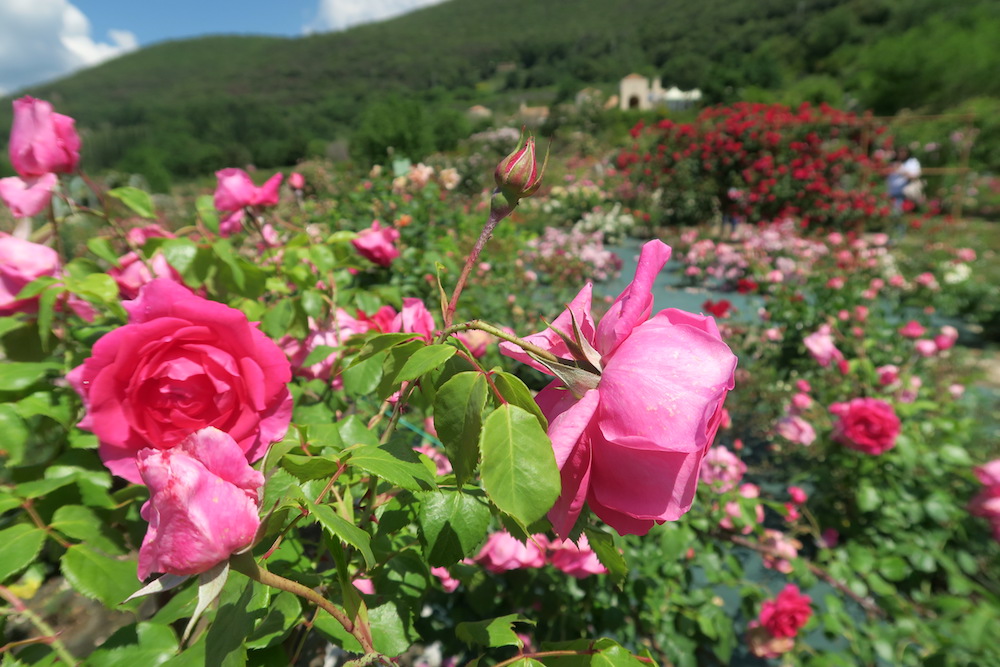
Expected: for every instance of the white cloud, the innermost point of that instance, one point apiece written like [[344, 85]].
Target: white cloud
[[44, 39], [334, 15]]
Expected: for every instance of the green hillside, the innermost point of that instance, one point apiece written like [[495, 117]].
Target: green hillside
[[197, 105]]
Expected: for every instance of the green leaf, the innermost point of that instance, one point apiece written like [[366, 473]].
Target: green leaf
[[388, 630], [15, 435], [179, 253], [381, 343], [613, 655], [353, 431], [893, 568], [283, 614], [145, 644], [458, 419], [319, 353], [82, 523], [138, 200], [423, 360], [101, 247], [516, 392], [225, 642], [453, 525], [310, 467], [402, 467], [868, 497], [492, 632], [19, 375], [205, 205], [19, 545], [278, 319], [519, 470], [344, 530], [608, 553], [98, 576], [99, 285], [362, 378], [8, 324]]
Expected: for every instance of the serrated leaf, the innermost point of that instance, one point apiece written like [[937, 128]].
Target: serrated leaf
[[310, 467], [492, 632], [82, 523], [519, 469], [319, 353], [423, 360], [138, 200], [97, 576], [453, 525], [15, 435], [458, 420], [402, 468], [610, 555], [344, 530], [19, 545], [146, 644]]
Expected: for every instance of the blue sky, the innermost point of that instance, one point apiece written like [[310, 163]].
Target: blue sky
[[44, 39]]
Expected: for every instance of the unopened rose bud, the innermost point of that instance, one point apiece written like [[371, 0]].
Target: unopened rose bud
[[518, 175]]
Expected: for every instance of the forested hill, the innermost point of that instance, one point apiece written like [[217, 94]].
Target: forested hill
[[199, 104]]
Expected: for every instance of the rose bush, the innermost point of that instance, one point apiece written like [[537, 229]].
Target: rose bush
[[869, 425], [182, 364]]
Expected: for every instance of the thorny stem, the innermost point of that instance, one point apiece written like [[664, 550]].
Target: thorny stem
[[51, 637], [499, 209], [245, 564], [500, 333]]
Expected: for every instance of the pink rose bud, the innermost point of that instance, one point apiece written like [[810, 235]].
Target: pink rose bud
[[797, 495], [803, 385], [42, 141], [518, 175], [296, 180], [202, 507]]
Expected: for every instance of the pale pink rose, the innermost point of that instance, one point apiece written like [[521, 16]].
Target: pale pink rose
[[966, 254], [577, 560], [821, 346], [364, 585], [448, 582], [202, 507], [22, 262], [956, 390], [139, 235], [986, 504], [343, 327], [377, 244], [692, 271], [835, 238], [773, 334], [734, 519], [876, 284], [721, 469], [927, 280], [861, 313], [926, 347], [879, 239], [42, 141], [477, 341], [235, 190], [803, 385], [897, 280], [912, 329], [783, 550], [420, 174], [296, 180], [843, 315], [181, 364], [29, 196], [868, 425], [796, 429], [774, 276], [503, 552], [449, 178], [837, 282], [629, 440], [801, 401], [132, 273]]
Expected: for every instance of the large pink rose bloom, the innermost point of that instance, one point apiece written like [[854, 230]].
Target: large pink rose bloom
[[377, 244], [869, 425], [42, 141], [629, 438], [182, 364], [202, 504], [236, 190], [21, 262]]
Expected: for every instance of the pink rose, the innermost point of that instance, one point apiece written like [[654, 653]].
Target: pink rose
[[27, 197], [783, 550], [181, 364], [986, 504], [449, 583], [786, 614], [925, 347], [22, 262], [887, 375], [629, 435], [820, 345], [869, 425], [132, 273], [912, 329], [796, 429], [414, 318], [503, 552], [202, 507], [235, 190], [577, 560], [377, 244], [296, 180], [721, 469], [42, 141], [797, 495]]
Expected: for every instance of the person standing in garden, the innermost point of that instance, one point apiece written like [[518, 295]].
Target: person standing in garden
[[904, 180]]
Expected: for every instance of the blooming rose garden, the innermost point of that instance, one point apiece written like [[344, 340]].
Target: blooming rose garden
[[394, 417]]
